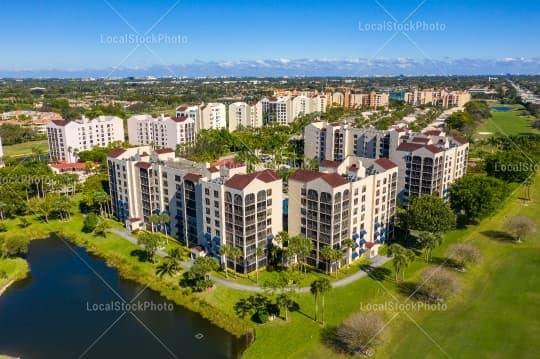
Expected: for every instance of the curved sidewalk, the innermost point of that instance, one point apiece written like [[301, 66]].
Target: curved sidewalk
[[377, 261]]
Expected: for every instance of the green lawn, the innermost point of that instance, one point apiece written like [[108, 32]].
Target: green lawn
[[12, 269], [25, 148], [507, 123]]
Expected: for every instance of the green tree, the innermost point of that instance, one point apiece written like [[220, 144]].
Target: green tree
[[168, 266], [150, 243], [90, 222], [349, 244], [401, 258], [520, 227], [429, 242], [235, 254], [327, 254], [477, 196], [259, 252], [430, 214], [318, 288], [284, 301], [510, 166]]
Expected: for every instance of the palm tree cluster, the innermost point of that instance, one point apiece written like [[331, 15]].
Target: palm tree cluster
[[401, 258]]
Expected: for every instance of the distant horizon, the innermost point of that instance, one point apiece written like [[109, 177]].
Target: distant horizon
[[301, 68]]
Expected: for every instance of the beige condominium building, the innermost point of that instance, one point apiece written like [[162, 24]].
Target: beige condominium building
[[162, 131], [208, 206], [449, 155], [349, 99], [67, 138], [439, 97], [350, 199], [285, 109], [208, 116], [244, 115]]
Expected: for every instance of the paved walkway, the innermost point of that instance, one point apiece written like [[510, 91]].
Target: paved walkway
[[377, 261]]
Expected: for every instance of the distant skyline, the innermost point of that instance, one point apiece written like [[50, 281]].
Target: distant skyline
[[117, 38]]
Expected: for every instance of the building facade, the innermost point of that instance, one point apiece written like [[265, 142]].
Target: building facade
[[208, 206], [244, 115], [162, 131], [439, 97], [443, 159], [67, 138], [351, 199]]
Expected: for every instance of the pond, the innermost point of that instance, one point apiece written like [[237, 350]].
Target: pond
[[72, 306], [501, 108]]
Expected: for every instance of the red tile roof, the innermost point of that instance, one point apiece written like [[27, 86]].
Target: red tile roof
[[333, 179], [433, 132], [179, 119], [192, 177], [460, 139], [385, 163], [433, 148], [240, 181], [369, 245], [227, 163], [145, 165], [59, 122], [116, 152], [74, 166], [161, 151], [213, 169], [328, 163], [420, 139], [408, 147], [181, 108], [134, 219]]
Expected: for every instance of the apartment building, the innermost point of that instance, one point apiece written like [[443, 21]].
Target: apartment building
[[429, 163], [277, 110], [206, 116], [303, 105], [357, 100], [349, 199], [439, 97], [443, 159], [208, 206], [241, 210], [162, 131], [67, 138], [244, 115]]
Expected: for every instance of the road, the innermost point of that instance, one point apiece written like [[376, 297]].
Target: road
[[377, 261]]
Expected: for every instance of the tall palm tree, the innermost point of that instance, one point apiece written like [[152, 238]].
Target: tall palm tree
[[349, 244], [154, 219], [225, 251], [402, 257], [429, 241], [320, 287], [164, 220], [337, 256], [326, 254], [235, 254], [259, 252], [284, 300]]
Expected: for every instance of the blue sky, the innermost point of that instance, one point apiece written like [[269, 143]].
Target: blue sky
[[62, 34]]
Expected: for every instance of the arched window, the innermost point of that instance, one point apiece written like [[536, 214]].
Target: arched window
[[228, 196], [326, 198], [237, 200], [313, 195], [346, 195], [250, 199], [337, 197], [261, 196]]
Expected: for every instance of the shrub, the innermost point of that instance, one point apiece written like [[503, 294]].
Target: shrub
[[12, 246], [360, 333], [3, 227], [436, 284], [90, 222]]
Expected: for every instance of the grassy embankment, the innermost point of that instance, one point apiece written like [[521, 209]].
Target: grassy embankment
[[25, 148]]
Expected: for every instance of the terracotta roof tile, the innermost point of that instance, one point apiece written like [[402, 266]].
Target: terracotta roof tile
[[161, 151], [433, 148], [460, 139], [115, 153], [60, 122], [328, 163], [145, 165], [192, 177], [333, 179], [240, 181], [408, 147], [385, 163]]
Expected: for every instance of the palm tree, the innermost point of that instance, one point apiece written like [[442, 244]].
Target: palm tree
[[259, 252], [430, 241], [349, 244], [402, 257], [169, 267], [320, 287], [284, 300], [154, 219], [225, 251], [326, 254], [101, 228], [164, 220], [235, 254], [175, 254], [337, 256]]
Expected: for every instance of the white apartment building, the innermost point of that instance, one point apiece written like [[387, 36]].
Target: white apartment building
[[241, 210], [212, 115], [208, 206], [244, 115], [277, 110], [429, 162], [162, 131], [67, 138], [439, 97], [303, 105], [351, 199]]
